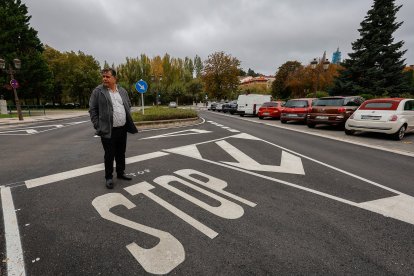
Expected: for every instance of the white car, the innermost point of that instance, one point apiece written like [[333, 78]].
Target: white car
[[393, 116], [172, 105]]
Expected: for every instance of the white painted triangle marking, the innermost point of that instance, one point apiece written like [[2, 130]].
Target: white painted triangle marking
[[190, 151], [289, 162], [179, 133], [400, 207], [246, 136]]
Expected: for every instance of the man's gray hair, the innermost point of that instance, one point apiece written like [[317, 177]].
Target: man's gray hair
[[106, 70]]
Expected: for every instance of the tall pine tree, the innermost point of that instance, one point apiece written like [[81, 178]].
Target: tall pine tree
[[376, 65], [19, 40]]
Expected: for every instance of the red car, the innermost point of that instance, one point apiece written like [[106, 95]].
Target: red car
[[271, 109], [296, 110]]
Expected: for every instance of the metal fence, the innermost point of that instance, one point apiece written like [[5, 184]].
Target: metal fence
[[27, 110]]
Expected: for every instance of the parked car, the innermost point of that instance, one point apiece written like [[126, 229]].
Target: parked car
[[271, 109], [230, 107], [172, 105], [249, 104], [219, 106], [333, 110], [211, 106], [52, 105], [394, 116], [71, 105], [296, 110]]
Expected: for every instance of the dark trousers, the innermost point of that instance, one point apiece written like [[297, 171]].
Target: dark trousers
[[114, 148]]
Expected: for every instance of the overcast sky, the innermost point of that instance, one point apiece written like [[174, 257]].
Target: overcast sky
[[262, 34]]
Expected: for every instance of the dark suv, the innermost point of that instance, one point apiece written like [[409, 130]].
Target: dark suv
[[230, 107], [333, 110]]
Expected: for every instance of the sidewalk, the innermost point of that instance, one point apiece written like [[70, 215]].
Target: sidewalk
[[50, 116]]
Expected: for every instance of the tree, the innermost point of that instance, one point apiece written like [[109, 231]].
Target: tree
[[198, 66], [280, 88], [75, 75], [195, 89], [18, 40], [252, 73], [220, 75], [375, 66]]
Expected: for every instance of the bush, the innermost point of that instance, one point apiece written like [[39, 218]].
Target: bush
[[162, 113], [319, 94], [368, 96]]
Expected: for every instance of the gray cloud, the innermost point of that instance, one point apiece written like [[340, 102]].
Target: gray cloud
[[262, 34]]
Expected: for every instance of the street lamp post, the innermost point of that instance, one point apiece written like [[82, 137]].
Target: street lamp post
[[158, 79], [314, 65], [13, 82]]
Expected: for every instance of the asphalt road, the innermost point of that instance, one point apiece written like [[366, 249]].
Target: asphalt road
[[226, 197]]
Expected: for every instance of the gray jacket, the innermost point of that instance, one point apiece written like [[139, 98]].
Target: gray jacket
[[101, 111]]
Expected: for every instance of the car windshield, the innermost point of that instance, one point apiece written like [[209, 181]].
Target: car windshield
[[330, 102], [270, 104], [296, 103], [379, 105]]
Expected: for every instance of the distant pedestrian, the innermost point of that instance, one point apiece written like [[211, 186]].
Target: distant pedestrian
[[109, 109]]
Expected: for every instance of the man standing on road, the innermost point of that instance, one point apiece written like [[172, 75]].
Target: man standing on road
[[109, 109]]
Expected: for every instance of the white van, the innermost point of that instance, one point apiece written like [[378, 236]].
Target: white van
[[249, 104]]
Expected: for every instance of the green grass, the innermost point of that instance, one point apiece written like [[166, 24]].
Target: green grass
[[162, 113], [13, 115]]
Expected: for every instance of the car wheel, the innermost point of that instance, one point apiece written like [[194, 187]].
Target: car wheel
[[349, 132], [283, 121], [261, 117], [399, 135], [311, 125]]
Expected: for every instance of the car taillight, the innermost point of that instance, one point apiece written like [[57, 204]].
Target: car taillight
[[341, 110], [309, 109], [393, 118]]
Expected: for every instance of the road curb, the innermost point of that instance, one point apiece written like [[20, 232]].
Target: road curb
[[167, 123]]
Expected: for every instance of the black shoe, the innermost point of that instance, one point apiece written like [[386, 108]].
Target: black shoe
[[123, 176], [109, 183]]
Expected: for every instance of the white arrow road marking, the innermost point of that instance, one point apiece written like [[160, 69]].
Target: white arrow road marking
[[400, 207], [36, 129], [15, 261], [289, 163], [179, 133], [31, 131]]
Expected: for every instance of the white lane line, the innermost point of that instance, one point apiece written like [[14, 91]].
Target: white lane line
[[335, 168], [36, 182], [223, 127], [15, 261]]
